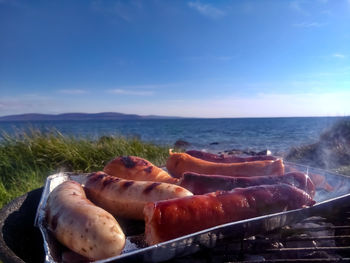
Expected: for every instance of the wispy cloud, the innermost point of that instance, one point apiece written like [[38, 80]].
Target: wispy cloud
[[269, 105], [328, 78], [72, 91], [338, 55], [209, 58], [296, 6], [120, 9], [327, 12], [224, 58], [206, 9], [131, 92], [141, 90], [272, 104], [25, 103], [309, 24]]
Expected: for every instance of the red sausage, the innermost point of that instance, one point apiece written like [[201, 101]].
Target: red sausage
[[178, 163], [220, 158], [169, 219], [202, 183]]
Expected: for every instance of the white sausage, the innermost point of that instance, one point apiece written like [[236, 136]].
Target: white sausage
[[82, 226]]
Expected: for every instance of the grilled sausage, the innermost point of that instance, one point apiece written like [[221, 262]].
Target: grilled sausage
[[82, 226], [203, 183], [126, 198], [318, 180], [170, 219], [220, 158], [136, 168], [178, 163]]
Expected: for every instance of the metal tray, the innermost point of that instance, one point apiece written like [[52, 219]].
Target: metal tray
[[333, 193]]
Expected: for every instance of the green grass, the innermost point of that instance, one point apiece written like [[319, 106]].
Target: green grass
[[26, 159]]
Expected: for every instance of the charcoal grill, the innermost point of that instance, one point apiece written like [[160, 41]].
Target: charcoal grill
[[314, 239]]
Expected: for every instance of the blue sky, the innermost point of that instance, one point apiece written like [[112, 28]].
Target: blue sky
[[178, 58]]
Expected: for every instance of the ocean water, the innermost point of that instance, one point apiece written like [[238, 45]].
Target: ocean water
[[275, 134]]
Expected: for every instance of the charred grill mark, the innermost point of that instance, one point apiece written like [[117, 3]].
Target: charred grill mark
[[148, 169], [96, 176], [127, 184], [150, 187], [142, 162], [109, 180], [128, 161]]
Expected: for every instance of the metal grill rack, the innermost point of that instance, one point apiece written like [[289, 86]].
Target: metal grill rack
[[315, 239]]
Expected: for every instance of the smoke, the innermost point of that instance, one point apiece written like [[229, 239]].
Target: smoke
[[331, 152]]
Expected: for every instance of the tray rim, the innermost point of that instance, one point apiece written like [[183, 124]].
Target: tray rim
[[304, 212]]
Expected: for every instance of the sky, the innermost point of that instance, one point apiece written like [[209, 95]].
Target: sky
[[176, 58]]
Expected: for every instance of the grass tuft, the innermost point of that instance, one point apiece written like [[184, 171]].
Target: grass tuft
[[26, 159]]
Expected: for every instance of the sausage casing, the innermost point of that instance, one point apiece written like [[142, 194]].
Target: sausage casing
[[136, 168], [82, 226], [127, 198], [178, 163], [203, 183], [220, 158], [165, 220]]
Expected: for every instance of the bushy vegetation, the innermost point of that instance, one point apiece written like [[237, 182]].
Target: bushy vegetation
[[332, 151], [26, 159]]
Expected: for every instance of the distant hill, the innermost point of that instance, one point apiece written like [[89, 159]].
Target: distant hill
[[81, 117]]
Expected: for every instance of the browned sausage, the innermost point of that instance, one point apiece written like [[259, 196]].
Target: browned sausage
[[319, 180], [203, 183], [178, 163], [126, 198], [220, 158], [166, 220], [136, 168]]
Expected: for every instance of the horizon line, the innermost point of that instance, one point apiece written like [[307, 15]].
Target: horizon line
[[183, 117]]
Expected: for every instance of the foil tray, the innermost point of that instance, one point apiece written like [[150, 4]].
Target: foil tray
[[332, 192]]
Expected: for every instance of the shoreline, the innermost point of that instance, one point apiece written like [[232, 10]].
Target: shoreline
[[26, 160]]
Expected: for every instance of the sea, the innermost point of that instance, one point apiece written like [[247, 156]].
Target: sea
[[278, 135]]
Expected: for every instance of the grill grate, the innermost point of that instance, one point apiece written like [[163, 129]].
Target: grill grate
[[316, 239]]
